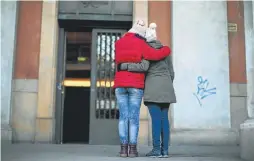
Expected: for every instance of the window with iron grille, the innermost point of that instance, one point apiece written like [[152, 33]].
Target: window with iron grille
[[106, 106]]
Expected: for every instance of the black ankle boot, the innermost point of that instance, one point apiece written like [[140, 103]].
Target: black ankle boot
[[133, 150], [124, 150]]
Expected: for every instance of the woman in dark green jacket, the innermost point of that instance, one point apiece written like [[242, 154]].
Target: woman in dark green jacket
[[158, 93]]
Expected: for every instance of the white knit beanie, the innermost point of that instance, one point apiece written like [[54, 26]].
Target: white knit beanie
[[151, 32], [139, 27]]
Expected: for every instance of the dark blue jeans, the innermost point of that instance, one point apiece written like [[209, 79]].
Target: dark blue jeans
[[160, 125], [129, 102]]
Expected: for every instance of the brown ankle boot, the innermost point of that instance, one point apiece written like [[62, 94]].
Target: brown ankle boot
[[124, 150], [133, 151]]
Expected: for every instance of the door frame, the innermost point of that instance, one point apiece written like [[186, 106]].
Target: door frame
[[60, 70], [59, 106]]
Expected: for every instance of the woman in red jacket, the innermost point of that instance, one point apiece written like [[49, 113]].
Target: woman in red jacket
[[129, 86]]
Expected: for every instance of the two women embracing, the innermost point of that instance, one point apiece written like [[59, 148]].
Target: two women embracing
[[144, 69]]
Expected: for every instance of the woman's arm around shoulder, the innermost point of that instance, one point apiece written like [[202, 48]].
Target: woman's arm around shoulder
[[143, 66]]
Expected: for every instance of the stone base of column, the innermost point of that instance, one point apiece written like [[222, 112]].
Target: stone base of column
[[247, 140], [212, 137], [6, 133]]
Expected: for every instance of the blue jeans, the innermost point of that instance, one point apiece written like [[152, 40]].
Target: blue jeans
[[129, 102], [160, 125]]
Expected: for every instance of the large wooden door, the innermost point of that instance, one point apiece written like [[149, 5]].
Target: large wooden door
[[104, 113]]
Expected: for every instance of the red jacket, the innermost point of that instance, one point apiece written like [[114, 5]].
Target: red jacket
[[133, 48]]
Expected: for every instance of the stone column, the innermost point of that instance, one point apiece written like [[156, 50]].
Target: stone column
[[251, 114], [25, 77], [247, 128], [8, 43], [140, 12], [249, 39], [47, 69]]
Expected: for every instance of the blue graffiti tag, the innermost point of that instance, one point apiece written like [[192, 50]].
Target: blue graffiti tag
[[202, 90]]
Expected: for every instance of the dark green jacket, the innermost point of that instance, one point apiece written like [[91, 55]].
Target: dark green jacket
[[159, 77]]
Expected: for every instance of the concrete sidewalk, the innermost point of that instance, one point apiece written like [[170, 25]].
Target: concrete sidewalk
[[53, 152]]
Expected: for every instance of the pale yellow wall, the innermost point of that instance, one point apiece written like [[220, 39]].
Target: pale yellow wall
[[47, 73], [140, 12]]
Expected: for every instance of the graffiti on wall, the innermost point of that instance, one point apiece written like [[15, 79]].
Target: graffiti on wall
[[203, 90]]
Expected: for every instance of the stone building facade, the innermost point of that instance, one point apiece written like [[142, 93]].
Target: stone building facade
[[212, 44]]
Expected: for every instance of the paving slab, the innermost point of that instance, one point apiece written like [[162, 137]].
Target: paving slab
[[67, 152]]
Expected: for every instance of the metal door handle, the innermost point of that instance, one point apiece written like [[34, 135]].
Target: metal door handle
[[59, 86]]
